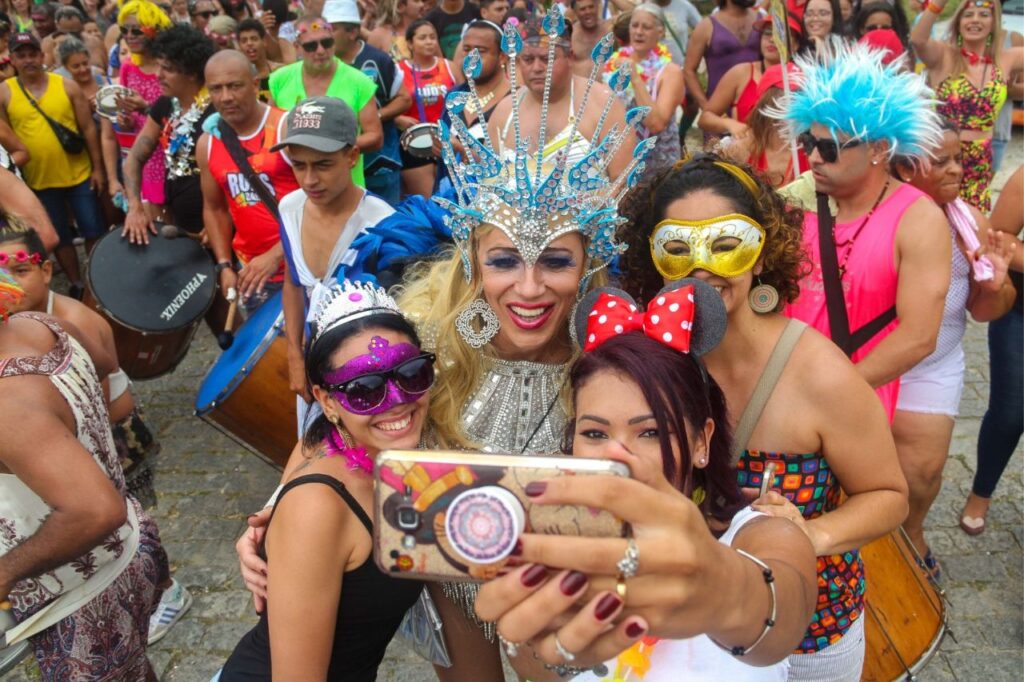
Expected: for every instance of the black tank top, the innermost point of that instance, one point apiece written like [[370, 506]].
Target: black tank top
[[370, 610]]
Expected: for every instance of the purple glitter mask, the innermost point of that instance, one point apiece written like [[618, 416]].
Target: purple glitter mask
[[385, 377]]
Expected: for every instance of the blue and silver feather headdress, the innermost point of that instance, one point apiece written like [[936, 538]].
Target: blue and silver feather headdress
[[849, 90], [532, 200]]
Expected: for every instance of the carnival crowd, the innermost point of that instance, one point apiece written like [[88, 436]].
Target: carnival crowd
[[730, 245]]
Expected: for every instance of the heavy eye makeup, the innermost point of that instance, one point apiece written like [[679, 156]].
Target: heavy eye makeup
[[550, 259]]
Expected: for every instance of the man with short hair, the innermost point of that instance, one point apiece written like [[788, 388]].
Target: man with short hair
[[44, 19], [382, 168], [491, 85], [60, 179], [322, 73], [586, 31], [881, 264], [251, 38], [321, 218], [564, 98], [69, 22], [238, 222], [448, 18]]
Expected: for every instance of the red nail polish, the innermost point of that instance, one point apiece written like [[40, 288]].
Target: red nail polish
[[606, 606], [534, 575], [634, 630], [518, 549], [535, 488], [572, 583]]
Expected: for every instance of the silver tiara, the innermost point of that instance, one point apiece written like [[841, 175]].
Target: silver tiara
[[531, 201], [341, 303]]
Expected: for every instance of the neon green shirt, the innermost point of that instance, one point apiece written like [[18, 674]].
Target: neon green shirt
[[349, 85]]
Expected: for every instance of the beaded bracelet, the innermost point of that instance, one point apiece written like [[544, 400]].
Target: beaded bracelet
[[769, 623], [565, 671]]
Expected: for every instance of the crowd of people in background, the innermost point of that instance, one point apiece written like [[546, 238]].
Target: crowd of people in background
[[278, 133]]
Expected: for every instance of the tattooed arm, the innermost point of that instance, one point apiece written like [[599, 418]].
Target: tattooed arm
[[137, 222]]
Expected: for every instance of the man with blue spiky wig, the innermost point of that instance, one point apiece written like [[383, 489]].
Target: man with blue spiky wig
[[880, 263], [886, 253]]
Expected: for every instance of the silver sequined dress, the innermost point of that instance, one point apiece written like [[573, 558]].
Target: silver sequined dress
[[516, 410]]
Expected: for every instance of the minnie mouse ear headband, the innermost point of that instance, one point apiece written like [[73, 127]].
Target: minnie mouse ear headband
[[687, 315]]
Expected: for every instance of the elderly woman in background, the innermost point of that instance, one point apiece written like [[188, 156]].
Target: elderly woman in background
[[657, 83], [929, 395]]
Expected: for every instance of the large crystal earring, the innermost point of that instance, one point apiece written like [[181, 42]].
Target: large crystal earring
[[763, 298], [489, 323]]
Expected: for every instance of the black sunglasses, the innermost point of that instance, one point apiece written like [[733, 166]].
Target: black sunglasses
[[367, 392], [310, 47], [207, 14], [827, 147], [131, 31]]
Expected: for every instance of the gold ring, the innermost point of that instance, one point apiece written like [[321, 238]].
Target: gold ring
[[620, 587]]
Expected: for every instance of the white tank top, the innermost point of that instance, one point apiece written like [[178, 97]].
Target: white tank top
[[696, 659]]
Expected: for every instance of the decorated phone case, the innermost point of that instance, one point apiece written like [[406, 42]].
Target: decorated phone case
[[441, 515]]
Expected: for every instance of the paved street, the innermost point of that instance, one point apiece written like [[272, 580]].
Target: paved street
[[207, 485]]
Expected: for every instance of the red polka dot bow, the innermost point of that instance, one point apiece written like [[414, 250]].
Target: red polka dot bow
[[669, 319]]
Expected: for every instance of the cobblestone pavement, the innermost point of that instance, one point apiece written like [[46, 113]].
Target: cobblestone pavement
[[207, 485]]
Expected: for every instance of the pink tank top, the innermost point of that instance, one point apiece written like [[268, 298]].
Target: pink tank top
[[869, 284]]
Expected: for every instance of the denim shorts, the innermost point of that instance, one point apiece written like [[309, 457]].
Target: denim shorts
[[85, 211]]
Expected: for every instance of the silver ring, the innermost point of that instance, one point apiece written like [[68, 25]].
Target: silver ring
[[566, 655], [511, 648], [629, 564]]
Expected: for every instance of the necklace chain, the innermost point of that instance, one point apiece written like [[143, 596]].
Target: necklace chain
[[856, 233]]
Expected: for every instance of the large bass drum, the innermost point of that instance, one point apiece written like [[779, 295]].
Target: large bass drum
[[906, 615], [154, 296], [245, 394]]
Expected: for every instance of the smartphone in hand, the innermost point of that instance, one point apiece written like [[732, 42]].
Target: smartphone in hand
[[441, 515]]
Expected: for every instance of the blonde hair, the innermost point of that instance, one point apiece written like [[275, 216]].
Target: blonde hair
[[992, 50], [432, 297], [148, 14]]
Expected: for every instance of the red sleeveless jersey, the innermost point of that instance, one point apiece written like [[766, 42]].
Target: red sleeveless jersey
[[256, 230]]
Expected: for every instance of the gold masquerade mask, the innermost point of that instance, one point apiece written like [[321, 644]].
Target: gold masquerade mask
[[726, 246]]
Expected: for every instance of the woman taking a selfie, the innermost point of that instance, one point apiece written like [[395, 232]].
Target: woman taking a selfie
[[740, 584], [372, 382]]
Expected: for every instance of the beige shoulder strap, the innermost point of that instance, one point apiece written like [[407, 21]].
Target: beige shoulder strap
[[765, 385]]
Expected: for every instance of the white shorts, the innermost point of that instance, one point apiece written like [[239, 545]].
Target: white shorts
[[935, 388]]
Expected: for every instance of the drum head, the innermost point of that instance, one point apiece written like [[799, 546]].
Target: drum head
[[418, 140], [248, 347], [106, 100], [164, 286]]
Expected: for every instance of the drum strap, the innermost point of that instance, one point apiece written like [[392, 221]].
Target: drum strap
[[241, 158], [835, 301]]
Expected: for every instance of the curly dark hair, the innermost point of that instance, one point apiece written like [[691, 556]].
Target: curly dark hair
[[186, 47], [783, 258]]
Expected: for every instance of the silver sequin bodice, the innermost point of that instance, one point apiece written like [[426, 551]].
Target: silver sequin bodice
[[517, 409]]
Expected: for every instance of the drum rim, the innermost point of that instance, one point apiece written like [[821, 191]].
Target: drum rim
[[413, 130], [238, 377], [150, 332]]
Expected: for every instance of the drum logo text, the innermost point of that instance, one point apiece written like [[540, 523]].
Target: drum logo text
[[186, 293]]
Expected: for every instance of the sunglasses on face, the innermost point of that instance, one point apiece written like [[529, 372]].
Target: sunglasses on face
[[310, 47], [131, 31], [827, 147], [207, 14], [365, 393], [876, 27]]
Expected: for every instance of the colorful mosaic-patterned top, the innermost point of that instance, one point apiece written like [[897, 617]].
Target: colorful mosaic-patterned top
[[808, 482], [971, 108]]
